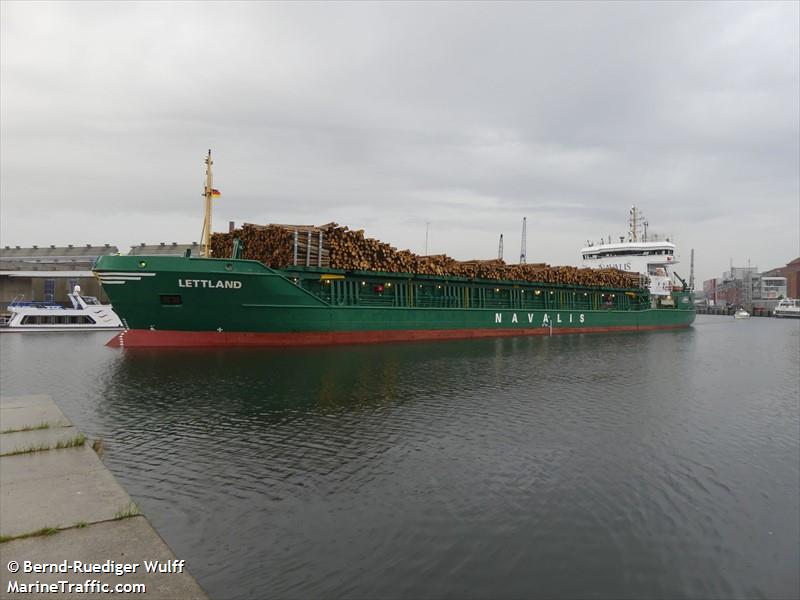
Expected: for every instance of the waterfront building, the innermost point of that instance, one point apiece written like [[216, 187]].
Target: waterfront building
[[49, 273], [746, 286], [710, 291], [738, 287], [772, 287], [792, 274]]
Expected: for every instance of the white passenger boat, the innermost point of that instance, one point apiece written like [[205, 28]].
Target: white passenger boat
[[788, 307], [741, 314], [86, 314]]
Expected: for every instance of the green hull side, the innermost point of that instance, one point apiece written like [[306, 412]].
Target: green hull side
[[246, 296]]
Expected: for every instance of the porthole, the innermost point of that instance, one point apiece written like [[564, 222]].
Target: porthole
[[142, 264]]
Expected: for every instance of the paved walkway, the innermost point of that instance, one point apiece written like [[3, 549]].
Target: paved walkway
[[59, 506]]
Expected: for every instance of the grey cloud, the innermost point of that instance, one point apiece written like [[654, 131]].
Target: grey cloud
[[391, 115]]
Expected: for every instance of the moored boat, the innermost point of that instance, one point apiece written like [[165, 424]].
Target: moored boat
[[85, 314], [788, 307]]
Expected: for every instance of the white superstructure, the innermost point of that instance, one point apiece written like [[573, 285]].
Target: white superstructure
[[86, 314], [653, 257]]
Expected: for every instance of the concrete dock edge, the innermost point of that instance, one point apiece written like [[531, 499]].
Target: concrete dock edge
[[67, 527]]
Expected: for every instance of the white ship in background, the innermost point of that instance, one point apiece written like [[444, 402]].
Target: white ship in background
[[652, 255]]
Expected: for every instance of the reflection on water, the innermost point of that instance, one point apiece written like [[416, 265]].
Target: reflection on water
[[644, 465]]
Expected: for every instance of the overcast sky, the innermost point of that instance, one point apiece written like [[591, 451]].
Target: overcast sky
[[388, 116]]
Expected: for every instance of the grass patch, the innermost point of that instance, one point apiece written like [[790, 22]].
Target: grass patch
[[75, 442], [44, 531], [132, 510], [78, 440], [39, 532], [28, 449], [41, 425]]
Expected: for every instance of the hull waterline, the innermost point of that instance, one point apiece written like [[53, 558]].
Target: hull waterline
[[144, 338], [24, 329]]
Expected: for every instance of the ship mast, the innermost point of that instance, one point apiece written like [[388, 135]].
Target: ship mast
[[637, 220], [209, 191], [634, 225]]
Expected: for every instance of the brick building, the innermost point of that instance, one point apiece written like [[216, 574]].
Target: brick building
[[792, 274]]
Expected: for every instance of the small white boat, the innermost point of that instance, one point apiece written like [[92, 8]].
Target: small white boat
[[741, 314], [788, 307], [86, 314]]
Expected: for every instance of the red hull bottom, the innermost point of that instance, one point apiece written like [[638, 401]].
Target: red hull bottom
[[146, 338]]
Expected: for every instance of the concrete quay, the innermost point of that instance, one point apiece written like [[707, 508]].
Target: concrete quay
[[67, 528]]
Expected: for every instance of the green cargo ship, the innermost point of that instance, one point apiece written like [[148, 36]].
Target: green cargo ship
[[194, 301], [172, 301]]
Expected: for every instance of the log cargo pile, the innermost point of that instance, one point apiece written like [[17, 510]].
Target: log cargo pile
[[271, 245], [309, 249], [338, 247]]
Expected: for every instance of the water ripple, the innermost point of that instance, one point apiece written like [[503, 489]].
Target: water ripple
[[620, 466]]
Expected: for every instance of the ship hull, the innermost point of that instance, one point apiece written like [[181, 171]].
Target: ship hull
[[186, 302], [145, 338]]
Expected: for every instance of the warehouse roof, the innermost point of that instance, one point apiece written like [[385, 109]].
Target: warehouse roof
[[49, 274], [45, 265], [53, 253], [164, 249], [52, 258]]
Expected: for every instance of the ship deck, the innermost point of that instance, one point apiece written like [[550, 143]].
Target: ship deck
[[405, 290]]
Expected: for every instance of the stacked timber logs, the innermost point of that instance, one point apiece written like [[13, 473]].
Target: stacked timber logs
[[272, 245], [312, 248], [338, 247]]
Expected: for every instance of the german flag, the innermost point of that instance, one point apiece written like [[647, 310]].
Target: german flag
[[215, 193]]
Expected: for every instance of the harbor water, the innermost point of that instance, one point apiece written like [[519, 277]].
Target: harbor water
[[648, 465]]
